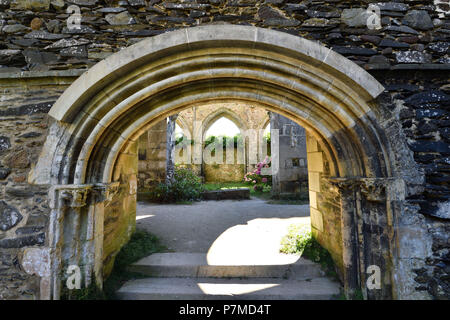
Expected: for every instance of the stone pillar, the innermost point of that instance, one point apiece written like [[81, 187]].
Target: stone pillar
[[170, 148], [366, 235], [104, 195], [346, 194], [76, 234], [376, 230], [68, 204]]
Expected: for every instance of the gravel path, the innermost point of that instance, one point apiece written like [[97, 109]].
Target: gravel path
[[239, 227]]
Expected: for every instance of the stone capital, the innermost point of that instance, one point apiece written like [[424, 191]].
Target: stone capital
[[344, 184], [106, 192], [374, 189], [75, 197], [72, 196]]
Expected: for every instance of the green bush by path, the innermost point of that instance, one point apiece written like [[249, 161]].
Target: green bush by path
[[186, 186], [299, 240]]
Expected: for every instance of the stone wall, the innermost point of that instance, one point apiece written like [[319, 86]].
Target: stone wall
[[35, 34], [152, 155], [120, 214], [24, 210], [292, 173], [225, 172], [198, 118], [422, 104], [324, 203], [408, 55]]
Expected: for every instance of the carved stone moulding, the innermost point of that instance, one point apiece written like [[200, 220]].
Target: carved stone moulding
[[373, 189], [344, 184], [106, 192], [78, 196], [74, 196]]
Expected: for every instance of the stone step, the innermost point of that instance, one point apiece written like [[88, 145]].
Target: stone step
[[227, 194], [230, 289], [199, 265]]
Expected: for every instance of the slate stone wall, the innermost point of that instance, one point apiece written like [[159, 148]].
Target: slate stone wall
[[24, 210], [37, 34]]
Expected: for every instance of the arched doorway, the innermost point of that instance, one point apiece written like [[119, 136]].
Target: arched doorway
[[88, 153]]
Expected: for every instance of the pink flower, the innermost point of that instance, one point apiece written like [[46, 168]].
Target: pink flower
[[254, 181], [264, 180]]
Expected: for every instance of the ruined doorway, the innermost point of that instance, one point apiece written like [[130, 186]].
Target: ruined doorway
[[101, 115]]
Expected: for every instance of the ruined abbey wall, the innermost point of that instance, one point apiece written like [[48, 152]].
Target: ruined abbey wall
[[40, 56]]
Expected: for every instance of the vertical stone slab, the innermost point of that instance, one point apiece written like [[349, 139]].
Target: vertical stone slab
[[292, 172], [120, 214], [170, 148], [325, 207], [153, 155]]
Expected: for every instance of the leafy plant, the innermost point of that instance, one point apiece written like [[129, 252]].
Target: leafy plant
[[259, 181], [182, 141], [186, 186], [224, 141], [299, 240]]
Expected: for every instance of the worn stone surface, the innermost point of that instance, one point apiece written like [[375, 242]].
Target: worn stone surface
[[292, 174], [232, 194], [418, 19], [9, 216], [108, 24]]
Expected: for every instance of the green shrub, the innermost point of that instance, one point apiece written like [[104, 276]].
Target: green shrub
[[186, 186], [224, 141], [299, 240], [141, 244], [92, 292]]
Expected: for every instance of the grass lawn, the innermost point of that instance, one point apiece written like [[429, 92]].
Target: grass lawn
[[234, 185], [302, 198]]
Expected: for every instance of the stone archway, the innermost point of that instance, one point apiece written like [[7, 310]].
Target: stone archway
[[101, 115], [222, 113], [181, 122]]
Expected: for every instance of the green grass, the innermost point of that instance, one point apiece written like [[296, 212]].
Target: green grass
[[210, 186], [141, 244], [234, 185], [299, 240], [288, 199]]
